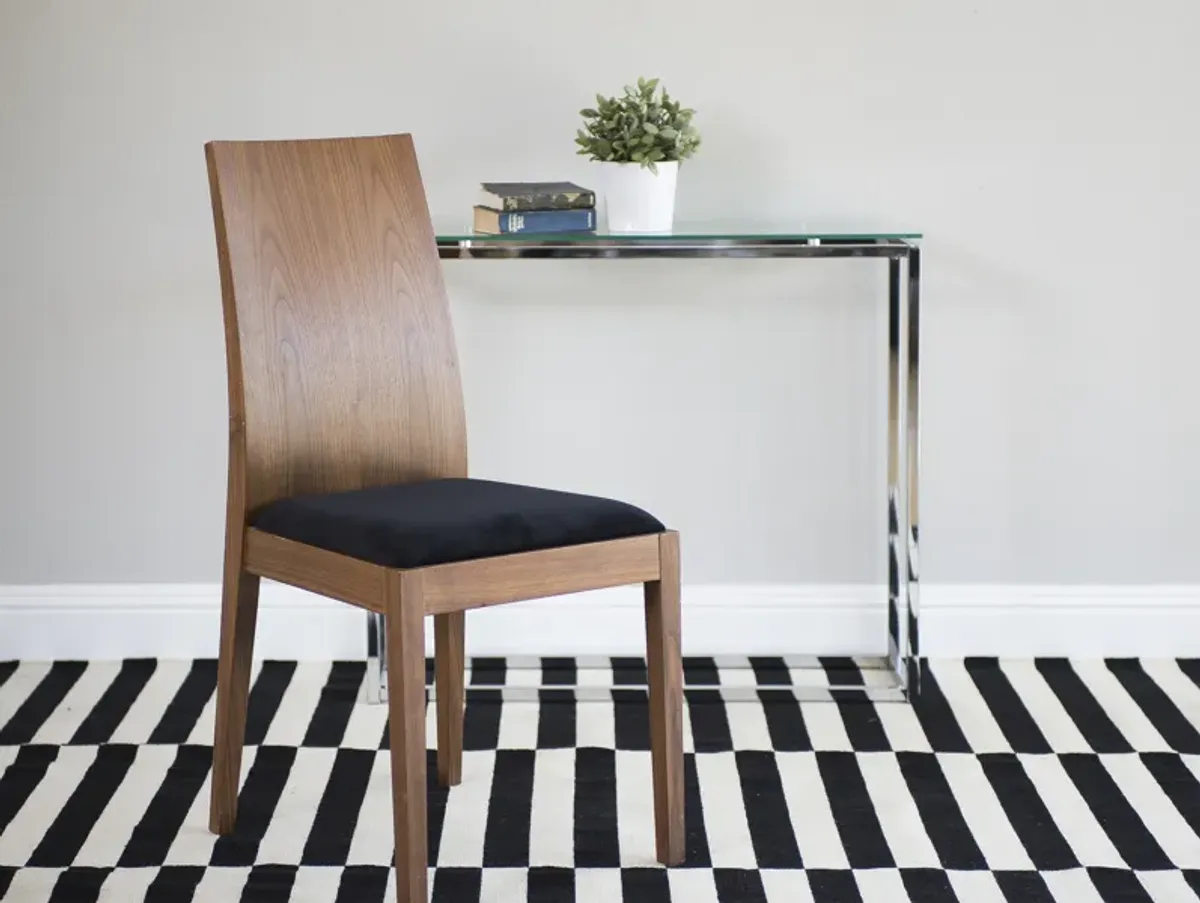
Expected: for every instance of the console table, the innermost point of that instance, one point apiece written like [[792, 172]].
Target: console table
[[901, 669]]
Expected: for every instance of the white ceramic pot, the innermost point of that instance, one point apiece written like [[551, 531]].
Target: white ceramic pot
[[638, 200]]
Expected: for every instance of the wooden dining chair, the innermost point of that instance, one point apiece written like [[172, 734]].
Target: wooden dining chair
[[348, 466]]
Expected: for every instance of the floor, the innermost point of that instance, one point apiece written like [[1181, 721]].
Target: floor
[[1007, 781]]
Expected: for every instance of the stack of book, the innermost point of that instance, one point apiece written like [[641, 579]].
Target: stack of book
[[534, 207]]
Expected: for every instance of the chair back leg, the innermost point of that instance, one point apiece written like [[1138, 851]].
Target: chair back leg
[[449, 637], [239, 612], [664, 667]]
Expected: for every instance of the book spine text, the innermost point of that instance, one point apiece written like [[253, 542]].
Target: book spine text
[[548, 221]]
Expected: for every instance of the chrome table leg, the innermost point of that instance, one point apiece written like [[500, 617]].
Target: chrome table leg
[[903, 469], [376, 678], [912, 531]]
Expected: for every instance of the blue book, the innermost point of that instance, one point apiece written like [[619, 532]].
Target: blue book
[[495, 222]]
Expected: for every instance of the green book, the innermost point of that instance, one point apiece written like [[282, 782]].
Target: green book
[[509, 197]]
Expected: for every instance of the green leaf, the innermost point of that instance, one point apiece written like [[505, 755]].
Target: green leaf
[[638, 125]]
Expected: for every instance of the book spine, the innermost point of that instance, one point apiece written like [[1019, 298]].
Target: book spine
[[548, 221], [548, 201]]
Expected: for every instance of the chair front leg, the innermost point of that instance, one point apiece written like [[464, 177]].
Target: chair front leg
[[664, 668], [449, 634], [405, 616]]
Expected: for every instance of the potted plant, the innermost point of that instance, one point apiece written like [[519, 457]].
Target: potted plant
[[639, 138]]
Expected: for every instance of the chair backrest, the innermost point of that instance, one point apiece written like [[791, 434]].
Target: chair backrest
[[342, 366]]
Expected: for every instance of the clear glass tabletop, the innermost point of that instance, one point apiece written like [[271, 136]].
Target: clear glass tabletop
[[458, 231]]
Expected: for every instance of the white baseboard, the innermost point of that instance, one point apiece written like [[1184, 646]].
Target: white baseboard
[[181, 621]]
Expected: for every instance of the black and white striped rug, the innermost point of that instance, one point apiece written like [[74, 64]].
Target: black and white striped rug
[[1016, 781]]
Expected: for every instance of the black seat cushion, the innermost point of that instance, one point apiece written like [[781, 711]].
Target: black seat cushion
[[438, 521]]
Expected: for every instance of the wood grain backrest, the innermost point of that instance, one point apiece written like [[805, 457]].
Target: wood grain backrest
[[342, 366]]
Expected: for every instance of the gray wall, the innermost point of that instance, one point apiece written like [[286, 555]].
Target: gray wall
[[1048, 150]]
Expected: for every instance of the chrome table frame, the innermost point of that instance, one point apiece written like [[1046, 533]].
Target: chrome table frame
[[903, 258]]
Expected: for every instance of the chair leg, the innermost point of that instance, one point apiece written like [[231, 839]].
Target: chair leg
[[239, 612], [665, 673], [449, 636], [406, 733]]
